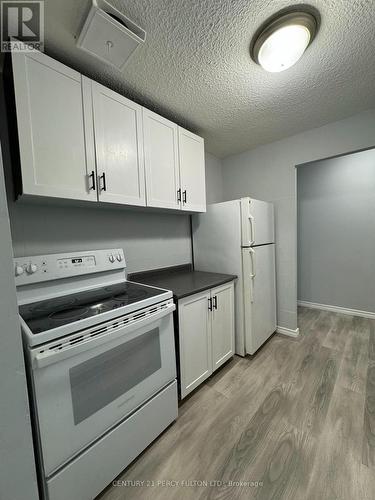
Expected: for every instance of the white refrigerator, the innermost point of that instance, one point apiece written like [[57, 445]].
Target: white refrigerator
[[237, 237]]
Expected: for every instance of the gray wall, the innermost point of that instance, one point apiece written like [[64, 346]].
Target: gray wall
[[214, 179], [336, 231], [17, 470], [149, 239], [268, 172]]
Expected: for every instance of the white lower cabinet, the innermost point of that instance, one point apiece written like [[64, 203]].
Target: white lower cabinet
[[206, 334], [195, 340], [222, 324]]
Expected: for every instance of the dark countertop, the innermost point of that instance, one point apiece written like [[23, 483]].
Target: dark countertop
[[182, 280]]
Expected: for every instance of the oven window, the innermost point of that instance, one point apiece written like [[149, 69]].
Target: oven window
[[102, 379]]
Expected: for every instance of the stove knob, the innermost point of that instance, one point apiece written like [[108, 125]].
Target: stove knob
[[119, 257], [31, 268], [18, 270], [111, 258]]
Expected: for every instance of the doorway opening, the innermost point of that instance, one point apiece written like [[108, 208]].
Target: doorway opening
[[336, 234]]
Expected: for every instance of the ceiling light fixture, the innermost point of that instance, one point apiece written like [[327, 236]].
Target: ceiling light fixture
[[283, 39]]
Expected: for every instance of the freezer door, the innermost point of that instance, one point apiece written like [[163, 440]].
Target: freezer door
[[259, 295], [257, 221]]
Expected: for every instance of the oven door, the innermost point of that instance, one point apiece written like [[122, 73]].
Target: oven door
[[86, 384]]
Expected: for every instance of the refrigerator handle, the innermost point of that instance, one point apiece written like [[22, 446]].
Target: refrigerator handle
[[252, 232], [252, 275], [252, 257]]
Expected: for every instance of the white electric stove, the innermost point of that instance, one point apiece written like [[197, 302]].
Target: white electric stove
[[101, 361]]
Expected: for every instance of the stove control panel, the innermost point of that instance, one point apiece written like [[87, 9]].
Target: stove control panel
[[40, 268], [76, 262]]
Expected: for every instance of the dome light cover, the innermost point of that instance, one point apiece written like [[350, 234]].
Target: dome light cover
[[282, 41]]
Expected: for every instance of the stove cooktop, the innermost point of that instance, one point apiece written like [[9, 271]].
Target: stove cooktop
[[48, 314]]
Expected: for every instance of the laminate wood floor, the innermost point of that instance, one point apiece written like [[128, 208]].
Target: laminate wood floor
[[295, 422]]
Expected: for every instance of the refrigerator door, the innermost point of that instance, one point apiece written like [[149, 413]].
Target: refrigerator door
[[257, 222], [259, 295]]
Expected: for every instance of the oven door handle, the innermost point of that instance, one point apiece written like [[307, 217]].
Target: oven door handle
[[48, 357]]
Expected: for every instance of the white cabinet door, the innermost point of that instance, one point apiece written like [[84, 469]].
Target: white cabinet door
[[161, 161], [195, 341], [119, 147], [192, 171], [54, 128], [222, 324]]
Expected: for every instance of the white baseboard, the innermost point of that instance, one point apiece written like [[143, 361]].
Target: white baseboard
[[337, 309], [287, 331]]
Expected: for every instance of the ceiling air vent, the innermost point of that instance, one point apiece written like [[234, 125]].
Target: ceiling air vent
[[109, 35]]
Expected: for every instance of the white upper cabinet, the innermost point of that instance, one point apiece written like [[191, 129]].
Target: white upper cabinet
[[161, 161], [119, 147], [80, 140], [192, 171], [54, 129]]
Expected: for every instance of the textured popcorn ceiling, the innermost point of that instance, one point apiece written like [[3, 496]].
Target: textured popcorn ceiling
[[195, 66]]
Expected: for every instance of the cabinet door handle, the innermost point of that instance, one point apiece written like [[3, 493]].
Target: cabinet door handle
[[215, 302], [179, 195], [210, 304], [184, 196], [103, 185], [92, 177]]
